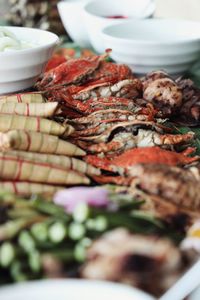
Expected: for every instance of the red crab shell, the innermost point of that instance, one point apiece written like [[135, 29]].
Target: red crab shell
[[72, 71], [142, 155], [110, 72], [54, 62]]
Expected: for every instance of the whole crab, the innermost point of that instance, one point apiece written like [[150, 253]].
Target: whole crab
[[99, 121], [128, 135], [123, 163], [72, 71], [91, 70]]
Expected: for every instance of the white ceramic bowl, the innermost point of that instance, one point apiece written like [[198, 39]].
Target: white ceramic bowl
[[71, 13], [146, 45], [71, 289], [19, 69], [96, 15]]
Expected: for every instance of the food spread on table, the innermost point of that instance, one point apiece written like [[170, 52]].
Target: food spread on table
[[100, 174]]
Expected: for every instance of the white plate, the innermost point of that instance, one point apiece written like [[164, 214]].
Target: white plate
[[71, 289]]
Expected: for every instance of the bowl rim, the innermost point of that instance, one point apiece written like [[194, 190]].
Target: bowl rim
[[187, 40], [78, 283], [50, 44], [150, 12]]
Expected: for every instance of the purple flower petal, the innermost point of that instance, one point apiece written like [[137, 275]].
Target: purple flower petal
[[70, 198]]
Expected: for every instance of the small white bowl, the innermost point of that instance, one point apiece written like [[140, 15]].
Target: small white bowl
[[71, 289], [19, 69], [147, 45], [97, 15], [71, 13]]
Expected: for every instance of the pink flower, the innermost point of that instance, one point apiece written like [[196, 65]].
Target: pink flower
[[70, 198]]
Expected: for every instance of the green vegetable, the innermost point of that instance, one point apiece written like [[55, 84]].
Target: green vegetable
[[34, 261], [40, 231], [10, 229], [17, 272], [100, 223], [26, 241], [57, 232], [7, 254], [81, 212], [76, 231]]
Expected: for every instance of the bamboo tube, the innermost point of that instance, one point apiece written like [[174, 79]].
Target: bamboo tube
[[27, 189], [59, 160], [9, 122], [37, 142], [15, 169], [30, 97], [47, 109]]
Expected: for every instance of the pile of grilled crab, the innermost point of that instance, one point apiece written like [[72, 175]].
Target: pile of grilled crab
[[80, 84], [121, 121]]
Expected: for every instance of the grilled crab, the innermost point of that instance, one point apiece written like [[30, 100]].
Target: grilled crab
[[99, 121], [147, 262], [127, 88], [152, 76], [91, 105], [128, 135], [173, 184], [189, 113], [164, 94], [72, 71], [123, 163], [102, 115], [91, 70]]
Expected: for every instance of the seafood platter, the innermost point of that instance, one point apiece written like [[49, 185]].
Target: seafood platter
[[100, 174]]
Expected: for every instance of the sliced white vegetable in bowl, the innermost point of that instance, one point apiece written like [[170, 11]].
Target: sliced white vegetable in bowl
[[24, 53], [9, 41]]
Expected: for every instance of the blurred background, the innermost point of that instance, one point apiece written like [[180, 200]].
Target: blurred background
[[32, 13], [43, 13]]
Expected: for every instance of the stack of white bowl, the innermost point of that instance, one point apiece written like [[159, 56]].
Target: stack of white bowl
[[85, 19], [143, 43]]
